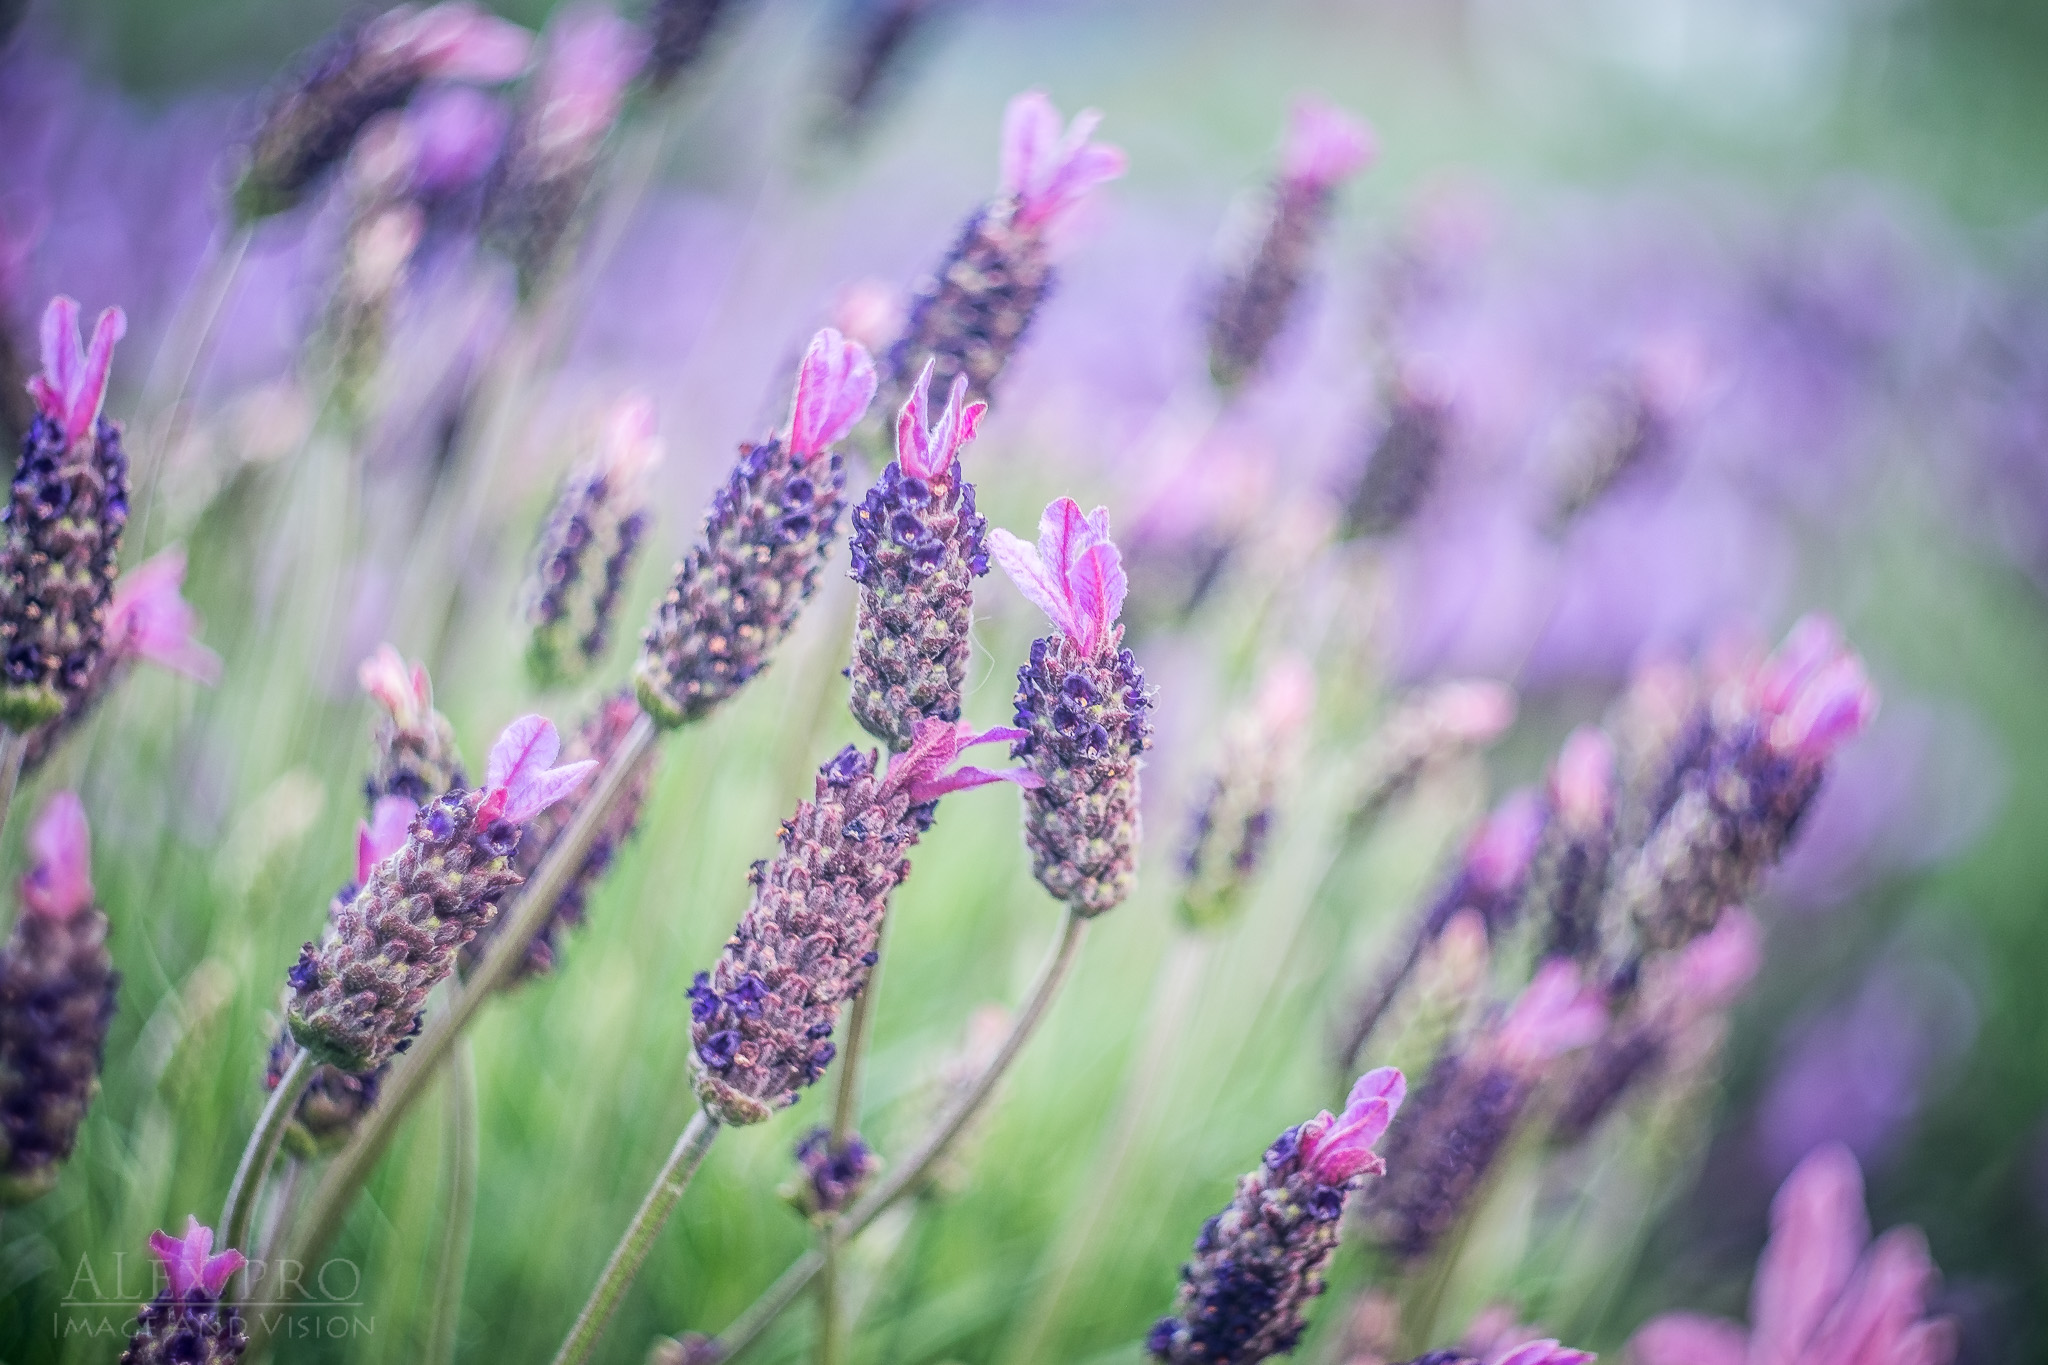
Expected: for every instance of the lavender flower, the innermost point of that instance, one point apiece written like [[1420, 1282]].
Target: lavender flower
[[738, 593], [358, 73], [1259, 1262], [873, 48], [762, 1019], [148, 621], [1441, 1151], [1543, 1352], [678, 32], [1570, 869], [830, 1175], [591, 55], [1229, 829], [1325, 146], [414, 745], [1435, 727], [1081, 703], [56, 1000], [63, 522], [1662, 729], [596, 739], [188, 1323], [970, 316], [917, 549], [357, 998], [1624, 425], [587, 548], [1824, 1293], [384, 230], [1406, 458], [1773, 735]]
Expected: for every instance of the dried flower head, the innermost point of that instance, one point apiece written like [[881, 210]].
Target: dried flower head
[[356, 998], [1259, 1262], [587, 547], [1081, 701], [918, 545], [362, 71], [970, 315], [1230, 827], [56, 1001], [414, 745], [187, 1323], [762, 1018], [737, 594], [1250, 304], [63, 522]]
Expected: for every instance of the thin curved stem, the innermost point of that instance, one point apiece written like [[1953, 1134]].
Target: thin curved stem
[[459, 1218], [261, 1150], [910, 1176], [409, 1077], [845, 1112], [631, 1252], [13, 748]]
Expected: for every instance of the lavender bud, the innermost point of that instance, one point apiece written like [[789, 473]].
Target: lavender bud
[[414, 754], [1403, 466], [1324, 147], [918, 545], [678, 33], [829, 1177], [57, 986], [188, 1322], [586, 549], [1259, 1262], [1228, 831], [62, 526], [737, 594]]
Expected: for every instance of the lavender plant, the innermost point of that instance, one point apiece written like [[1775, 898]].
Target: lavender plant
[[189, 1322]]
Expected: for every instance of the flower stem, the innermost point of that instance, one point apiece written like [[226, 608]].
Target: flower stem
[[631, 1252], [845, 1110], [458, 1221], [13, 748], [261, 1150], [831, 1321], [910, 1176], [524, 919]]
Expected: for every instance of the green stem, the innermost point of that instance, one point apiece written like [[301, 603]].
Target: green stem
[[910, 1176], [845, 1110], [261, 1150], [459, 1219], [831, 1321], [409, 1077], [13, 748], [631, 1252]]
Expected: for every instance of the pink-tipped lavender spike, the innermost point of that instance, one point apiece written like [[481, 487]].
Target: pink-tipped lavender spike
[[1259, 1263], [1081, 703], [1324, 147], [367, 68], [413, 748], [61, 543], [918, 545], [188, 1322], [1232, 824], [762, 1018], [1570, 870], [737, 594], [970, 315], [357, 997], [56, 1001]]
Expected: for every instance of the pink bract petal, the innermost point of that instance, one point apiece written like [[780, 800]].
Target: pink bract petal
[[527, 745], [383, 834], [834, 386], [1499, 853], [73, 384], [1818, 1228], [1473, 711], [927, 452], [1097, 588], [187, 1264], [1714, 967], [1582, 782], [1833, 706], [1883, 1303], [1546, 1352], [462, 42], [1343, 1148], [1689, 1339], [456, 133], [403, 691], [150, 619], [1324, 145], [921, 769], [520, 783], [59, 880], [1021, 562], [1049, 175], [1553, 1016], [1287, 697]]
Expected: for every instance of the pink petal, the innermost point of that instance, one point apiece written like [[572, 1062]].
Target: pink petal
[[461, 42], [63, 360], [383, 834], [1813, 642], [1098, 587], [1831, 707], [1546, 1352], [1714, 967], [1818, 1228], [187, 1266], [1345, 1148], [1472, 711], [403, 692], [834, 386], [1553, 1016], [1021, 562], [535, 792], [1063, 536], [1499, 853], [527, 746], [1688, 1339], [913, 441], [1324, 145], [1031, 130], [1582, 782], [91, 391], [1872, 1320], [995, 734], [59, 880], [960, 779], [150, 619]]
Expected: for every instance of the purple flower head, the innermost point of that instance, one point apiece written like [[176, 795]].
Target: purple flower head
[[1812, 693], [150, 619], [1074, 575], [73, 383], [519, 781], [1554, 1015], [383, 834], [1497, 856], [591, 57], [457, 132], [927, 450], [834, 386], [1824, 1293], [1582, 780], [1335, 1149], [1049, 174], [1324, 145], [921, 769], [59, 880], [1544, 1352], [190, 1262]]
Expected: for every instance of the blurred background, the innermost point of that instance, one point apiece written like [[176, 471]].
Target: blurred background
[[1825, 218]]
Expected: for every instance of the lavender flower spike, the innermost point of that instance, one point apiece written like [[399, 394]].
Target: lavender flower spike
[[356, 999], [1259, 1262], [63, 521], [738, 593], [1571, 858], [762, 1018], [361, 72], [1081, 702], [415, 753], [970, 316], [678, 32], [917, 549], [1325, 146], [187, 1323], [1229, 829], [587, 547], [56, 1000], [1824, 1293]]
